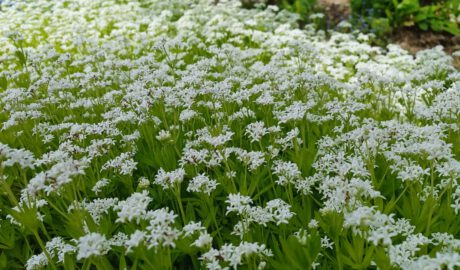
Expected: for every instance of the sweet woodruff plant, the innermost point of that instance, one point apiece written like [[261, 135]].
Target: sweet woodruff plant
[[193, 135]]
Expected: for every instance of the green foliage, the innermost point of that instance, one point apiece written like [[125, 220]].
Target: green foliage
[[301, 7], [382, 16]]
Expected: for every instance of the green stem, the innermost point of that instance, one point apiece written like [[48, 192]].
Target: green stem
[[179, 202], [337, 252], [290, 195], [102, 263], [9, 193], [58, 210], [151, 266], [168, 254], [213, 213], [428, 223], [43, 247]]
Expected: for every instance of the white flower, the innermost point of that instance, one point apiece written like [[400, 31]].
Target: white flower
[[238, 203], [163, 135], [93, 244], [37, 262], [313, 224], [97, 188], [296, 111], [192, 227], [23, 157], [143, 183], [256, 131], [302, 236], [135, 240], [56, 177], [279, 210], [218, 140], [253, 159], [363, 216], [98, 207], [133, 208], [204, 240], [326, 242], [287, 172], [241, 114], [118, 239], [124, 164], [381, 235], [186, 115], [57, 247], [160, 230], [202, 183], [287, 142], [169, 179], [235, 255]]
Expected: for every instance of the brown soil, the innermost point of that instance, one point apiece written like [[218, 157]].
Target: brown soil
[[336, 10], [414, 40]]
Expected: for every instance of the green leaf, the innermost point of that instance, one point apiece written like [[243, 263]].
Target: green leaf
[[86, 265], [122, 263], [408, 6], [423, 26], [436, 25], [21, 57], [23, 80], [381, 259], [368, 258], [350, 249], [3, 261], [7, 235], [69, 262], [451, 27], [3, 82], [421, 16]]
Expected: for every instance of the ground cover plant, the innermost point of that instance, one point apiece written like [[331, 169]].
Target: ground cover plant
[[199, 135]]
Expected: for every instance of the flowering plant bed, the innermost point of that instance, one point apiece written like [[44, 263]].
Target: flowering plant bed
[[191, 135]]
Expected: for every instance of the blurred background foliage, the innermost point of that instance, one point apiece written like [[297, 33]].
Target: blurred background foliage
[[384, 16]]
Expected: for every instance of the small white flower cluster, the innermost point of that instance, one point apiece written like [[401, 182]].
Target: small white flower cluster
[[56, 247], [133, 208], [234, 255], [123, 163], [251, 159], [56, 177], [99, 207], [287, 172], [93, 244], [276, 211], [160, 231], [97, 188], [255, 131], [23, 157], [169, 180], [377, 227], [202, 183], [36, 262]]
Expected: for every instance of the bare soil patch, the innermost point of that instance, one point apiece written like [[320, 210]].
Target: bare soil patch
[[336, 10], [414, 40]]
